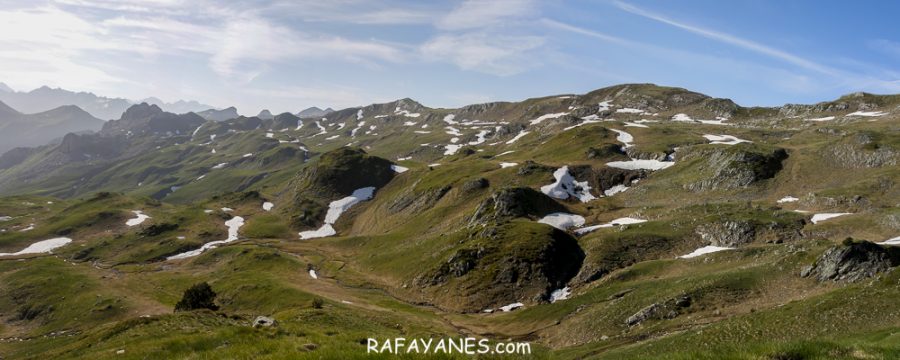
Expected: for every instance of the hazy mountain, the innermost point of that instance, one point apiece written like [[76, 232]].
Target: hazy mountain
[[314, 112], [265, 115], [26, 130], [219, 115], [178, 107], [46, 98]]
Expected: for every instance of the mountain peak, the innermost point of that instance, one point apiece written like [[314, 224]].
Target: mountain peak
[[5, 88], [265, 114], [141, 111], [6, 110]]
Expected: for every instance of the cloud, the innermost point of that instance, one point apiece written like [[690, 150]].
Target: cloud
[[501, 55], [473, 14], [731, 39], [885, 46]]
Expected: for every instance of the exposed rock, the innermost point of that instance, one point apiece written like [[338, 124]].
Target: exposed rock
[[727, 233], [603, 151], [862, 150], [418, 200], [731, 167], [264, 321], [513, 203], [668, 309], [503, 264], [474, 185], [853, 262], [531, 167]]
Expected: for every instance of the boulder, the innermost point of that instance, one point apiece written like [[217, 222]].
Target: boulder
[[852, 262], [264, 321]]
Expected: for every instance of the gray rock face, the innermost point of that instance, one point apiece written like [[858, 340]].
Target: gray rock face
[[513, 203], [668, 309], [732, 167], [264, 321], [853, 262], [861, 150], [727, 234]]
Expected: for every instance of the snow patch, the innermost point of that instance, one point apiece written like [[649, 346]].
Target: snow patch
[[616, 222], [40, 247], [636, 164], [867, 113], [705, 250], [724, 139], [787, 199], [399, 169], [817, 218], [560, 294], [566, 186], [827, 118], [562, 221], [511, 307], [682, 117], [312, 273], [234, 224], [615, 190], [892, 241], [547, 116], [267, 206], [518, 136], [137, 220], [624, 138], [335, 209], [504, 165]]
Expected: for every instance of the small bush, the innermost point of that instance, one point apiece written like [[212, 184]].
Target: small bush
[[317, 303], [199, 296]]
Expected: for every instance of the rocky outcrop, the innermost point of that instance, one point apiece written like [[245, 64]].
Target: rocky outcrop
[[862, 150], [414, 200], [511, 203], [731, 167], [519, 261], [727, 233], [853, 261], [668, 309]]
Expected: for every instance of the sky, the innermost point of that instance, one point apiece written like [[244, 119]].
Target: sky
[[289, 55]]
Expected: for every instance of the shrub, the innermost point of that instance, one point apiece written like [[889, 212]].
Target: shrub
[[199, 296], [317, 303]]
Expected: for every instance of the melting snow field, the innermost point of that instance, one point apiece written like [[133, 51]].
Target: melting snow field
[[560, 294], [335, 209], [827, 118], [892, 241], [817, 218], [635, 164], [787, 199], [233, 225], [517, 137], [511, 307], [312, 274], [267, 206], [615, 190], [562, 220], [682, 117], [867, 113], [724, 139], [40, 247], [547, 116], [566, 186], [138, 220], [508, 164], [616, 222], [399, 169], [705, 250], [624, 138]]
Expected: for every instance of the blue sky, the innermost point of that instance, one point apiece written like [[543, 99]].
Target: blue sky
[[288, 55]]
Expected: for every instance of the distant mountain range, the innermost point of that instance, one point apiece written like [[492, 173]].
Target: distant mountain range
[[21, 130], [45, 98], [314, 112]]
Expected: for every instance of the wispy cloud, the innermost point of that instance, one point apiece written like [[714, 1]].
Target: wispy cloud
[[731, 39], [473, 14], [493, 54]]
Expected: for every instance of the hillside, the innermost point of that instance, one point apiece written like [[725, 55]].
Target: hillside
[[634, 221], [30, 130]]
